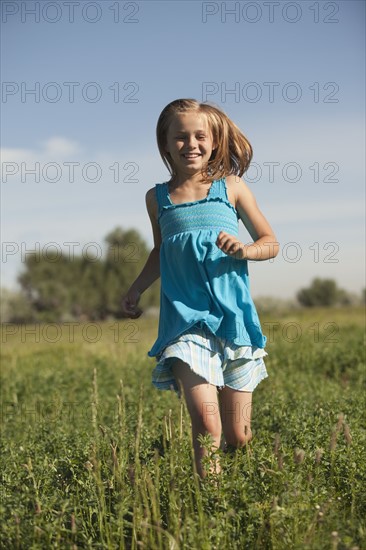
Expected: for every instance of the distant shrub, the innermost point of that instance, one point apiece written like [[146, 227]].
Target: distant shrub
[[15, 307], [325, 292]]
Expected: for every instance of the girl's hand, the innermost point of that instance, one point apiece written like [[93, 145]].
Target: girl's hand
[[129, 304], [230, 245]]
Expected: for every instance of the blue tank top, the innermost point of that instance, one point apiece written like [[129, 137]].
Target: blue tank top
[[200, 285]]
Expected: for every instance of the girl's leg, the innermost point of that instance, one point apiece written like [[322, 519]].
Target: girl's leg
[[202, 404], [236, 410]]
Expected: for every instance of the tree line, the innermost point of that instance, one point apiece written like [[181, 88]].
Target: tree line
[[85, 288], [62, 288]]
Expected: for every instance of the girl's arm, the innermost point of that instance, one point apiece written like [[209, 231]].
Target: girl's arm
[[265, 245], [151, 270]]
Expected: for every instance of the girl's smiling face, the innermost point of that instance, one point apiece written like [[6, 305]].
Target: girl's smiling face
[[189, 142]]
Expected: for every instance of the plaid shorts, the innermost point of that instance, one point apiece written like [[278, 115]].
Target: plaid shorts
[[216, 360]]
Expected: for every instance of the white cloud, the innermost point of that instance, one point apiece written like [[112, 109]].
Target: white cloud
[[59, 146], [16, 155], [52, 149]]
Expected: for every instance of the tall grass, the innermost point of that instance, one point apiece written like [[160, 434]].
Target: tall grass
[[93, 456]]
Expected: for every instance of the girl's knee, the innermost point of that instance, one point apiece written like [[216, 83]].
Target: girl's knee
[[239, 439], [204, 411], [203, 426]]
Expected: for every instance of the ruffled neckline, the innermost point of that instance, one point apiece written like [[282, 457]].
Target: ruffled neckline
[[205, 199], [213, 184]]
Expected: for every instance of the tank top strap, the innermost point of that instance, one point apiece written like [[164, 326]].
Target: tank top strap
[[219, 189]]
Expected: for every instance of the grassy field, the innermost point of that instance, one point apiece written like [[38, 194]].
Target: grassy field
[[93, 456]]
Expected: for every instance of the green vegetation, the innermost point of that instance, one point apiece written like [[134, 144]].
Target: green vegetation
[[78, 284], [93, 456], [325, 292]]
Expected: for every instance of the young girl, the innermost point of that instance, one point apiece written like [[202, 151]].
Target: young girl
[[210, 343]]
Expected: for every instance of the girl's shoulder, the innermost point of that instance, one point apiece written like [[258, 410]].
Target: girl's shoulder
[[236, 188], [151, 202], [233, 181]]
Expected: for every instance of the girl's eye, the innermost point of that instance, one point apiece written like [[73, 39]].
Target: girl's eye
[[181, 137]]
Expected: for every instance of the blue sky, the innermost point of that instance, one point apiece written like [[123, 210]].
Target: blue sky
[[311, 131]]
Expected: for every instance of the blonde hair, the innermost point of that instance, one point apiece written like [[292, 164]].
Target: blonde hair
[[233, 152]]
